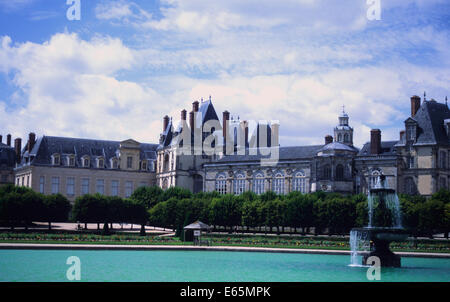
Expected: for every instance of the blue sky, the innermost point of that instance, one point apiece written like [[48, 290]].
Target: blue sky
[[116, 72]]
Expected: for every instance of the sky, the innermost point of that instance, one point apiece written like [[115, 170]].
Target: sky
[[114, 73]]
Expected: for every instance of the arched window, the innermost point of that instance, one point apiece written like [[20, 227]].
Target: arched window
[[166, 163], [339, 137], [165, 184], [56, 160], [278, 183], [374, 178], [339, 172], [299, 183], [346, 138], [221, 184], [239, 184], [258, 183], [410, 186], [327, 172]]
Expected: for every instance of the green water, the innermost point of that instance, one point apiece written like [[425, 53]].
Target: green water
[[179, 266]]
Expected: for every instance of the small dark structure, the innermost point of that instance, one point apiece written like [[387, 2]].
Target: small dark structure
[[197, 228]]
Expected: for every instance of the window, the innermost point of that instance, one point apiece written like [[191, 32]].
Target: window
[[85, 186], [443, 183], [100, 187], [327, 172], [114, 187], [128, 188], [166, 163], [299, 183], [28, 180], [443, 160], [339, 172], [258, 183], [70, 186], [114, 163], [100, 163], [56, 160], [410, 186], [165, 184], [221, 184], [346, 138], [129, 162], [239, 184], [411, 161], [144, 165], [374, 178], [71, 161], [42, 184], [278, 184], [86, 163], [339, 137], [55, 185]]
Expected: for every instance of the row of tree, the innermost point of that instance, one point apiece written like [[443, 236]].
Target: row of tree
[[21, 206], [177, 207]]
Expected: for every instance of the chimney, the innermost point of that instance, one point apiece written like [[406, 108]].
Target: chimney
[[165, 122], [195, 106], [328, 139], [191, 120], [18, 149], [31, 141], [183, 115], [375, 141], [415, 105], [402, 135], [8, 140], [226, 117]]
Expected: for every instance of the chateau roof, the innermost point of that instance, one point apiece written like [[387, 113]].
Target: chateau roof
[[387, 148], [46, 146]]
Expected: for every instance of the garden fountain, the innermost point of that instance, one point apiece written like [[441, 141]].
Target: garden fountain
[[384, 227]]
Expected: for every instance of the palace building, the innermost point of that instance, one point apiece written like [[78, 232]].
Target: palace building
[[202, 153]]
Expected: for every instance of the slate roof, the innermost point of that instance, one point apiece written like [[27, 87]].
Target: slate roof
[[338, 146], [7, 155], [430, 121], [46, 146], [286, 153], [387, 149]]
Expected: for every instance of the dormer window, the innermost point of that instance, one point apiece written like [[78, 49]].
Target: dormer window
[[56, 160], [144, 165], [85, 161], [70, 161], [114, 163], [100, 163]]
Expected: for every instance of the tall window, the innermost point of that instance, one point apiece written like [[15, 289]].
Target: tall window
[[86, 162], [114, 187], [100, 163], [299, 183], [346, 138], [100, 186], [443, 183], [374, 178], [70, 186], [55, 185], [221, 184], [42, 184], [239, 184], [129, 162], [144, 165], [411, 162], [85, 186], [443, 159], [114, 163], [339, 172], [410, 186], [258, 183], [166, 163], [56, 160], [278, 183], [327, 172], [128, 188]]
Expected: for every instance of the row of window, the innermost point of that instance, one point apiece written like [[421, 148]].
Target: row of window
[[258, 183], [85, 186], [99, 162]]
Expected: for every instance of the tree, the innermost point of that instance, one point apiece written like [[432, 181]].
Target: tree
[[177, 193], [149, 196], [56, 209]]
